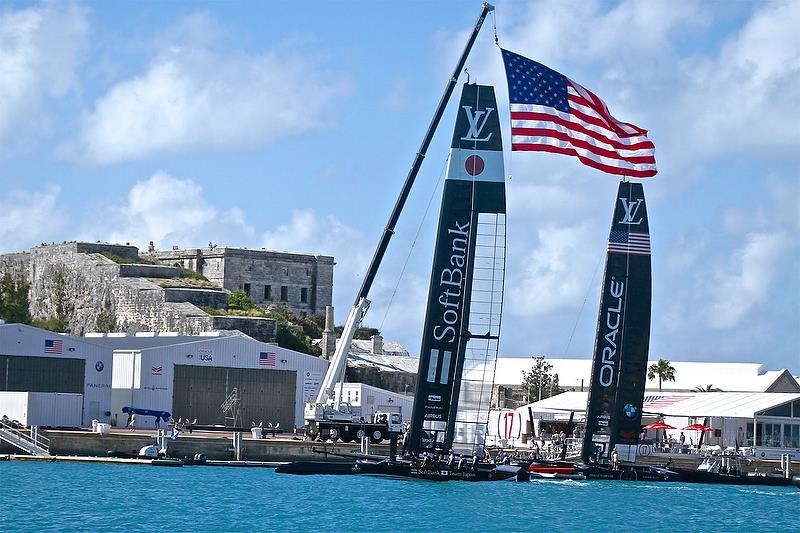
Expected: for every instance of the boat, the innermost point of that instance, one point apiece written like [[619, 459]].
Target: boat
[[727, 470]]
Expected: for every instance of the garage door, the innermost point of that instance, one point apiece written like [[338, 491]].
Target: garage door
[[41, 374], [267, 396]]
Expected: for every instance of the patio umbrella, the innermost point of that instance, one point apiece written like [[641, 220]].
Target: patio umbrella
[[697, 427], [659, 425]]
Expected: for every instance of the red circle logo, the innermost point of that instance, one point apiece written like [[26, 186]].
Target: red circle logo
[[474, 165]]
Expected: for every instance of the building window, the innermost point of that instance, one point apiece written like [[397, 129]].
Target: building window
[[284, 293], [303, 314], [304, 295], [268, 292], [247, 289], [285, 271]]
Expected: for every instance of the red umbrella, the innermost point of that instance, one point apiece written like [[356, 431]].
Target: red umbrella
[[697, 427], [659, 425]]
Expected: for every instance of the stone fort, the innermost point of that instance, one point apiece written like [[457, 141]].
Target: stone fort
[[79, 284], [303, 282]]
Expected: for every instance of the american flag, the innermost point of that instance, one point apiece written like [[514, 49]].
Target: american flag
[[53, 346], [266, 359], [552, 113], [659, 401], [628, 242]]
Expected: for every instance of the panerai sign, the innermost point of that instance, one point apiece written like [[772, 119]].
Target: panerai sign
[[451, 284]]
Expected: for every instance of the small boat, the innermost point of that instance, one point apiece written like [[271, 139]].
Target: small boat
[[406, 469], [166, 462], [796, 481], [727, 470]]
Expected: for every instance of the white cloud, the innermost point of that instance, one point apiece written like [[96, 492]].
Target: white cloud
[[744, 98], [40, 49], [747, 281], [192, 98], [172, 211], [554, 273], [27, 218], [308, 231]]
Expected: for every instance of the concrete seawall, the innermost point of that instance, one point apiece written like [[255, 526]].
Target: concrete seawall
[[214, 446]]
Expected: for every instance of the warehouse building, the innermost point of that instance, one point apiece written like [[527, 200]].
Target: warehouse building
[[193, 376], [34, 360]]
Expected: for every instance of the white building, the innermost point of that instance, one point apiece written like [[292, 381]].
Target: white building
[[191, 376], [365, 400], [575, 374], [766, 423], [37, 360]]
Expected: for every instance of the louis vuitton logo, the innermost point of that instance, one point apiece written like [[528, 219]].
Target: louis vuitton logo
[[630, 208], [477, 120]]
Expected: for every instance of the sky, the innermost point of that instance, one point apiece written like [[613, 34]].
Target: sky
[[292, 125]]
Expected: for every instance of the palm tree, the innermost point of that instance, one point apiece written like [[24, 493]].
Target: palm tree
[[707, 388], [663, 370]]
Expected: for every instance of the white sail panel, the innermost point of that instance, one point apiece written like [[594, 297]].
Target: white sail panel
[[480, 357]]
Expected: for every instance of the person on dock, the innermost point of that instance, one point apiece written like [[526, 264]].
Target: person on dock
[[682, 438], [132, 423], [614, 460]]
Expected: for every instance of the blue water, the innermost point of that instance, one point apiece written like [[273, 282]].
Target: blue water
[[96, 497]]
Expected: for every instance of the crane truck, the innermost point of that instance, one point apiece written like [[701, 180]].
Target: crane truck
[[325, 419]]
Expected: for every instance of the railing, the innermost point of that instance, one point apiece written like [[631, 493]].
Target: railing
[[32, 441]]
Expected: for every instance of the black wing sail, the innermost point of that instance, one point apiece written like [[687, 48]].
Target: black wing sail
[[614, 410], [462, 321]]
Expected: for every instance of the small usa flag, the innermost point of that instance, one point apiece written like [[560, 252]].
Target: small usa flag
[[266, 359], [629, 242], [53, 346]]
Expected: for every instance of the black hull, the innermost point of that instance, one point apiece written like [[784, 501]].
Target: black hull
[[629, 473], [306, 468], [402, 470], [443, 473], [720, 478]]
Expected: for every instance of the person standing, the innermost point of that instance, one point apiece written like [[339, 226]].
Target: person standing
[[133, 422], [614, 459]]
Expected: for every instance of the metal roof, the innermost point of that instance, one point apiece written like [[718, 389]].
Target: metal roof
[[687, 404]]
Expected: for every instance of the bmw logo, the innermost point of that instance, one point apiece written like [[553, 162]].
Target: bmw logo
[[630, 410], [99, 366]]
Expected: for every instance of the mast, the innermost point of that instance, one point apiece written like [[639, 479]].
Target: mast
[[616, 394], [388, 231], [462, 322]]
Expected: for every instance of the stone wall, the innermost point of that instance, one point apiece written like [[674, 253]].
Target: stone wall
[[262, 329], [148, 271], [400, 382], [214, 298]]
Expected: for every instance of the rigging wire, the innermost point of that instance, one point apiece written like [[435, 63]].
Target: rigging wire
[[585, 299], [414, 242]]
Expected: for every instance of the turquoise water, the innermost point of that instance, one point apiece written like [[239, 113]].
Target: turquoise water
[[96, 497]]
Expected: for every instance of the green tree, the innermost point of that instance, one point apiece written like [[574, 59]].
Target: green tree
[[539, 382], [663, 370], [14, 300], [707, 388], [240, 300]]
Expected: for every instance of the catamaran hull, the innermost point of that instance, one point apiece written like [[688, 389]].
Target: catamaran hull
[[403, 470], [629, 473], [720, 478]]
